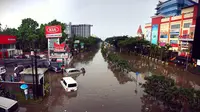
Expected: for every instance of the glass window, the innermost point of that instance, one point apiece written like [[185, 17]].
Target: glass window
[[72, 85], [64, 82], [176, 26], [174, 36], [2, 110], [186, 25], [13, 108]]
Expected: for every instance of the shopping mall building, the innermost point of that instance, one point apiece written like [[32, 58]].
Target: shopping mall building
[[177, 30]]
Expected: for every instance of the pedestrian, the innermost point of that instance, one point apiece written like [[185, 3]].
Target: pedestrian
[[11, 78], [26, 93], [31, 93], [1, 78]]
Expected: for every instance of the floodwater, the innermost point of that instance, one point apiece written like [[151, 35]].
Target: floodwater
[[101, 89]]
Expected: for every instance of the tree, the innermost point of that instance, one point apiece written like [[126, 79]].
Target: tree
[[28, 33], [10, 31]]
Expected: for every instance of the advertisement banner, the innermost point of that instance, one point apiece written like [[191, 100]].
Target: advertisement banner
[[164, 34], [148, 34], [51, 42], [162, 44], [59, 47], [53, 31], [174, 43], [154, 36], [174, 33]]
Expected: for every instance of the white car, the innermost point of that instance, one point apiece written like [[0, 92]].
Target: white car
[[69, 84], [72, 71], [8, 105]]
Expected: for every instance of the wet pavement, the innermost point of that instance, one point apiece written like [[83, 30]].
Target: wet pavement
[[101, 89]]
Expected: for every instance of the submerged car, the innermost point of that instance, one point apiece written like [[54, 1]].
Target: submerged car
[[72, 71], [69, 84]]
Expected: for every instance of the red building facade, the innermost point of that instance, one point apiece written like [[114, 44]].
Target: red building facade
[[7, 46]]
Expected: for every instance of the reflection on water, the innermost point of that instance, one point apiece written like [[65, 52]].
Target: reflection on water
[[85, 58], [181, 77], [72, 94]]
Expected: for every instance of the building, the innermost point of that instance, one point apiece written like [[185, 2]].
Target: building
[[81, 30], [174, 30], [172, 7], [7, 46]]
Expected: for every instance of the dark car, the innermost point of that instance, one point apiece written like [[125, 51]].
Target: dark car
[[54, 67]]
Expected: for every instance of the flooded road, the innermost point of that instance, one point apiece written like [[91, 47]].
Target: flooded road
[[101, 89]]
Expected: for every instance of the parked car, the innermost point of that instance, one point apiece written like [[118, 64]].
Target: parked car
[[54, 67], [69, 84], [8, 105], [20, 57], [71, 71]]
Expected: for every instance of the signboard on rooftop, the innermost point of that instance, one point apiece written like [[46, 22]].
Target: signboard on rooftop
[[53, 31]]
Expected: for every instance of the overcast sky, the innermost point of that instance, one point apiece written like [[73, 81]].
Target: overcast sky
[[108, 17]]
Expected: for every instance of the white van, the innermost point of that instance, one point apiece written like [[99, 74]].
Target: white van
[[8, 105], [69, 84]]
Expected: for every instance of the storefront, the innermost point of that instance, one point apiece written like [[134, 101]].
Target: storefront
[[7, 46], [61, 54]]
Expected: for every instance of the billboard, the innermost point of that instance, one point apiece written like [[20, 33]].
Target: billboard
[[53, 31], [154, 35], [148, 34]]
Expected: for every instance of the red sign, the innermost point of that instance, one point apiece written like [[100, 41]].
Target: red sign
[[59, 47], [7, 39], [174, 45], [53, 31]]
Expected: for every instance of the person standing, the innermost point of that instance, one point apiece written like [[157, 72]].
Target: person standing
[[31, 93], [26, 93]]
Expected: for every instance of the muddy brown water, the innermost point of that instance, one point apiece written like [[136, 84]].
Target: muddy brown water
[[101, 89]]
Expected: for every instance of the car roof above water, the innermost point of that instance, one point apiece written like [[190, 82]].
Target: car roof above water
[[69, 80], [69, 69], [6, 103]]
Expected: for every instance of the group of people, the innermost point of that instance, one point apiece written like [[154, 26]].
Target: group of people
[[28, 93]]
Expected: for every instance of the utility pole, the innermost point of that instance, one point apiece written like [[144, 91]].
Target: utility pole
[[36, 72], [32, 61]]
